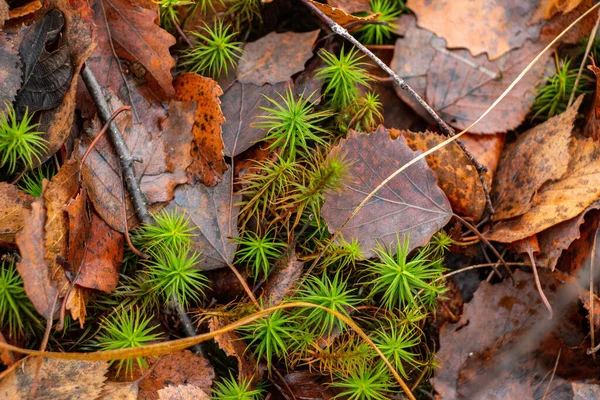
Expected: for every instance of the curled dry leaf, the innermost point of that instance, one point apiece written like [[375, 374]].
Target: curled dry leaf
[[10, 69], [275, 57], [537, 156], [13, 202], [33, 267], [461, 87], [410, 206], [53, 379], [351, 6], [340, 16], [493, 27], [208, 163], [455, 173]]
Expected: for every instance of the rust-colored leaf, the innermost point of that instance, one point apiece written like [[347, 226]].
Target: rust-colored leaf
[[460, 87], [54, 379], [560, 200], [211, 212], [207, 151], [33, 267], [411, 205], [537, 156], [455, 173], [351, 6], [137, 39], [275, 57], [25, 9], [242, 104], [13, 202], [341, 17], [10, 69], [492, 27]]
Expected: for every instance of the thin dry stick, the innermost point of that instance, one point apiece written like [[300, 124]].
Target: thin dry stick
[[445, 128], [583, 61], [458, 271], [538, 284], [451, 139], [100, 134], [552, 377]]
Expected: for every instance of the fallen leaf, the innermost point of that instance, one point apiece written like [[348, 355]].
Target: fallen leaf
[[242, 104], [25, 9], [6, 356], [211, 212], [207, 151], [231, 343], [552, 7], [54, 379], [396, 113], [305, 385], [177, 368], [136, 38], [493, 27], [3, 12], [455, 173], [307, 83], [351, 6], [582, 390], [411, 205], [33, 267], [561, 21], [486, 149], [13, 202], [275, 57], [537, 156], [341, 17], [120, 391], [10, 69], [559, 200], [182, 392], [461, 87], [283, 280], [591, 128]]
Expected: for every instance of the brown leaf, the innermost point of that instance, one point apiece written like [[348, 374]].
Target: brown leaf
[[25, 9], [410, 205], [351, 6], [486, 149], [559, 200], [3, 12], [561, 21], [282, 280], [13, 202], [552, 7], [6, 356], [54, 379], [207, 151], [120, 391], [455, 173], [342, 18], [231, 343], [10, 69], [460, 87], [307, 386], [242, 104], [211, 212], [494, 27], [583, 390], [181, 367], [275, 57], [33, 267], [537, 156], [182, 392], [591, 129], [137, 39]]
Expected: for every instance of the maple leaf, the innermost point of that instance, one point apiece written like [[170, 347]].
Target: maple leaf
[[411, 205]]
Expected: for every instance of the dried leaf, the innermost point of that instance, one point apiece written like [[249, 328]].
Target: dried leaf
[[137, 39], [275, 57], [233, 346], [120, 391], [591, 129], [283, 280], [210, 210], [242, 104], [552, 7], [560, 200], [207, 151], [351, 6], [25, 9], [3, 12], [411, 205], [54, 379], [12, 204], [492, 27], [33, 267], [182, 392], [582, 390], [455, 173], [537, 156], [342, 18], [10, 71], [460, 87]]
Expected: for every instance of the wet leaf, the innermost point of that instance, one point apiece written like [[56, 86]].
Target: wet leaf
[[211, 212], [275, 57], [537, 156], [411, 205], [13, 202], [460, 87], [207, 151], [33, 267], [10, 69], [242, 104]]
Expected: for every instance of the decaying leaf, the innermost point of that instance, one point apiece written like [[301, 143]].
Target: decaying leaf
[[242, 104], [411, 205], [455, 173], [211, 212], [10, 71], [54, 379], [492, 27], [120, 391], [275, 57], [461, 87], [537, 156], [182, 392], [559, 200], [12, 204], [208, 163], [33, 267]]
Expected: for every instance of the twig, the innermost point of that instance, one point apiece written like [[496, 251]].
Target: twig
[[188, 327], [538, 284], [583, 61], [444, 127], [182, 34], [552, 377], [100, 134]]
